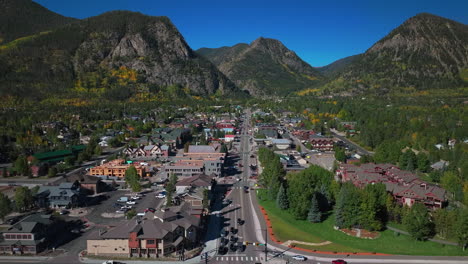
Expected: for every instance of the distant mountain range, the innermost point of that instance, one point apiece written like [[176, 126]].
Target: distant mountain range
[[265, 67], [118, 53]]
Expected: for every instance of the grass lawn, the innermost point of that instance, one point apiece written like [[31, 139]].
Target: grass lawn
[[286, 227]]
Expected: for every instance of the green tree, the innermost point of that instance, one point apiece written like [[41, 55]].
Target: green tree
[[348, 206], [314, 215], [418, 223], [461, 228], [4, 172], [340, 155], [23, 198], [98, 150], [282, 198], [70, 160], [133, 179], [444, 222], [22, 166], [452, 183], [423, 162], [169, 201], [130, 214], [5, 206], [224, 149], [52, 172], [206, 199]]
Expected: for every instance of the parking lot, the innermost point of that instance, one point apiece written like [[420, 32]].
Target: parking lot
[[110, 206]]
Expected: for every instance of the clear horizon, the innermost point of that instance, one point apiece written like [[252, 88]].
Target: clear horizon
[[319, 33]]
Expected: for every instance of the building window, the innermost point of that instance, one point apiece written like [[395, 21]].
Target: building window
[[25, 236], [159, 251], [7, 236], [152, 251], [150, 242], [134, 250], [158, 241]]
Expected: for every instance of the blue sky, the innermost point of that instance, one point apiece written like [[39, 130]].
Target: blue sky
[[320, 32]]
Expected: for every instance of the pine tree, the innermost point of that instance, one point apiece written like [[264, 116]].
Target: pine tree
[[282, 198], [314, 215], [418, 223]]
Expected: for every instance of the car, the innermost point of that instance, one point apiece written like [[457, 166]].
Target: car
[[120, 211], [63, 212], [135, 197], [240, 221], [233, 239], [222, 250], [152, 210], [126, 207], [224, 233], [75, 231], [233, 230], [161, 195], [339, 261], [131, 202], [299, 257], [233, 247]]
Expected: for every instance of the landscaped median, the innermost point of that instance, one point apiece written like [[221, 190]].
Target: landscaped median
[[282, 227]]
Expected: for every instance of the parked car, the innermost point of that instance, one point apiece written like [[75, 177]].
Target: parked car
[[339, 261], [299, 257], [64, 212], [131, 202], [224, 233], [135, 197], [152, 210], [161, 195], [233, 239], [233, 230], [141, 214], [240, 221]]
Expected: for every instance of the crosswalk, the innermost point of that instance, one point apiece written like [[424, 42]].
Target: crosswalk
[[237, 258]]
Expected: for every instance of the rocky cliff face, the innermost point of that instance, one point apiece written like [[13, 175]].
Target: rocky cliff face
[[426, 51], [265, 67], [150, 46]]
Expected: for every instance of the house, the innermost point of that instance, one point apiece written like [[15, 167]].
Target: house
[[31, 235], [117, 168], [88, 183], [440, 165], [165, 233], [229, 138], [65, 195], [405, 187]]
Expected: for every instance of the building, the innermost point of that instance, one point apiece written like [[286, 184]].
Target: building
[[88, 183], [65, 195], [405, 186], [117, 168], [147, 152], [322, 143], [184, 168], [30, 235], [53, 157], [281, 143], [163, 234]]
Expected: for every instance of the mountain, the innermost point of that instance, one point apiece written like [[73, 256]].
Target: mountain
[[265, 67], [334, 68], [425, 52], [21, 18], [112, 55]]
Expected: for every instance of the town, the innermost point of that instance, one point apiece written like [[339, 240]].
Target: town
[[198, 187]]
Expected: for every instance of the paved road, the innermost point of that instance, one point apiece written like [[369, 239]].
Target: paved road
[[360, 150]]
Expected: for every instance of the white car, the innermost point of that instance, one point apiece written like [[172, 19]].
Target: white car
[[131, 202], [135, 198], [161, 195], [299, 257]]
